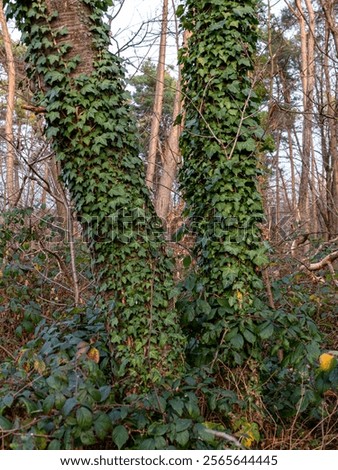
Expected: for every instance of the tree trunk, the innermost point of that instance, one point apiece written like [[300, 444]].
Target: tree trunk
[[219, 178], [307, 75], [158, 102], [171, 160], [331, 160], [11, 186], [94, 138], [58, 191]]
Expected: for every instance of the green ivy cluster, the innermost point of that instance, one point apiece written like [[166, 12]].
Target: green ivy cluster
[[89, 122], [57, 392], [52, 398], [220, 177]]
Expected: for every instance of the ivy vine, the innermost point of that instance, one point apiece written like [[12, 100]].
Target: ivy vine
[[219, 178], [89, 125]]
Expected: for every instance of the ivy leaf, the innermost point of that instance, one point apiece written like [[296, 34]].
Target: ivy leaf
[[182, 424], [266, 330], [88, 88], [54, 445], [52, 58], [237, 341], [177, 405], [53, 115], [84, 417], [249, 336], [48, 403], [120, 436], [88, 437], [54, 76], [102, 426], [70, 403], [250, 145], [203, 433], [5, 423], [31, 406], [180, 10], [51, 132], [8, 400], [182, 438], [156, 429], [105, 392], [147, 444]]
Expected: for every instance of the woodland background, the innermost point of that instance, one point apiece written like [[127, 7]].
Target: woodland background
[[48, 280]]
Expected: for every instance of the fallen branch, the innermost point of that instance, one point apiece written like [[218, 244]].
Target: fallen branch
[[298, 242], [33, 109], [327, 261], [225, 436]]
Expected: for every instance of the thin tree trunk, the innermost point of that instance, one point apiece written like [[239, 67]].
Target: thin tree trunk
[[158, 102], [60, 200], [11, 188], [314, 193], [172, 154], [288, 101], [292, 169], [330, 16], [171, 159], [44, 190], [328, 9], [330, 156], [277, 190], [307, 75]]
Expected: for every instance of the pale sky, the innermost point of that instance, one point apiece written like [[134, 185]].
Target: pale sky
[[142, 17]]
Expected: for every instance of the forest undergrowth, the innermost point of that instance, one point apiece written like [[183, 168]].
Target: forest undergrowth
[[55, 386]]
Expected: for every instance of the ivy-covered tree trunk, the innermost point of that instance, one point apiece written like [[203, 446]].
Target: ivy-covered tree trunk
[[219, 177], [88, 121]]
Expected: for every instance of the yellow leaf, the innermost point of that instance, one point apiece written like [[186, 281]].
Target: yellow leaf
[[94, 355], [39, 366], [249, 433], [326, 362], [239, 296], [248, 440]]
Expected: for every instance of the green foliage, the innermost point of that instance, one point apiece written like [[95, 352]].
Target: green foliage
[[293, 383], [219, 180], [66, 387], [54, 394], [55, 397], [300, 391], [88, 120]]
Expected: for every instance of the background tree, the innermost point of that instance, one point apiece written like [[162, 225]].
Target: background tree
[[167, 152], [158, 101], [143, 94], [11, 170]]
